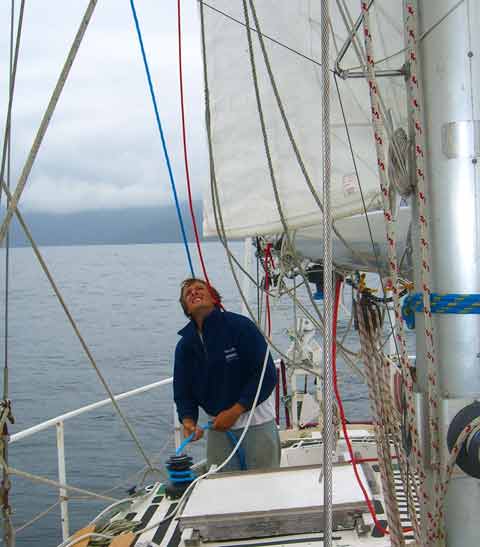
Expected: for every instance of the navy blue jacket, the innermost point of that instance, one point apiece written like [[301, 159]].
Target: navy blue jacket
[[222, 370]]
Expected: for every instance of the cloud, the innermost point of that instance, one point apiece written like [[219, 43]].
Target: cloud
[[102, 148], [54, 194]]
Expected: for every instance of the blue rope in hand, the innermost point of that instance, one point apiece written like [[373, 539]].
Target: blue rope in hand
[[190, 438], [231, 436]]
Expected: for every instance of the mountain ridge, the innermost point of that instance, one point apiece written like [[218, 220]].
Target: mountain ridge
[[106, 227]]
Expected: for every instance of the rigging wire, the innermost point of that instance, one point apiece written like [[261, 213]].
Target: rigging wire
[[267, 148], [70, 542], [74, 325], [266, 143], [8, 528], [286, 123], [7, 243], [291, 137], [162, 136], [370, 231], [362, 57], [12, 201], [328, 273], [420, 38], [7, 238], [218, 216], [13, 72], [38, 517], [273, 40], [55, 484], [22, 181]]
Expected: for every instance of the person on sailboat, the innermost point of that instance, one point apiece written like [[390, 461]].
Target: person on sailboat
[[218, 363]]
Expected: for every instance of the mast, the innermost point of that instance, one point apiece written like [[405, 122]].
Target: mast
[[450, 56]]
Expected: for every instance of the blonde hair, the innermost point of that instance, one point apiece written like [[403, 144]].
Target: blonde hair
[[190, 281]]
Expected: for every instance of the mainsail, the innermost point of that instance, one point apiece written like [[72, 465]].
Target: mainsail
[[291, 32]]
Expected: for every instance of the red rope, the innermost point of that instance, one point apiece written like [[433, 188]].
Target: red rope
[[268, 257], [185, 153], [367, 460], [379, 527]]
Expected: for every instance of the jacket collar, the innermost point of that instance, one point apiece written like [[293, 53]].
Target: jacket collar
[[190, 329]]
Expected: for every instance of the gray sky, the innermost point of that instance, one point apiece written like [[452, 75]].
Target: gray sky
[[102, 148]]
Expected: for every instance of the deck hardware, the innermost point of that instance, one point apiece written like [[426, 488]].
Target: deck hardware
[[468, 458]]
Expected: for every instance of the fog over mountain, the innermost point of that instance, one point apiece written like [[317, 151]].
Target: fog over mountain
[[107, 227]]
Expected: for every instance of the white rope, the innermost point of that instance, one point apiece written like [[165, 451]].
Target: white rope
[[437, 531], [378, 120], [380, 143], [49, 482], [374, 382], [37, 517]]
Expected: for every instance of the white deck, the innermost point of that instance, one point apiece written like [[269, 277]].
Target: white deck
[[290, 488]]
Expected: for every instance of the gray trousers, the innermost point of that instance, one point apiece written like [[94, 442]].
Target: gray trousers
[[261, 447]]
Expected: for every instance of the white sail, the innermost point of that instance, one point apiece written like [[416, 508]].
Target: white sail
[[245, 188]]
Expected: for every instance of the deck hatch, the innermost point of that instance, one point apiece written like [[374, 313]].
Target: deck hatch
[[272, 503]]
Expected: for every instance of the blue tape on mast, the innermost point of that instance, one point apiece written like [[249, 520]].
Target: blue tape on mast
[[453, 303]]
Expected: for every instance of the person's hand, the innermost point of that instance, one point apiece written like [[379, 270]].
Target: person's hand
[[189, 427], [226, 418]]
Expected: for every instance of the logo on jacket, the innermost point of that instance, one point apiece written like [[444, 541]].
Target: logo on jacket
[[231, 354]]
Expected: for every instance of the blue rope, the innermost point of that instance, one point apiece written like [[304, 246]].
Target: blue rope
[[453, 303], [232, 437], [164, 146], [184, 444], [240, 451]]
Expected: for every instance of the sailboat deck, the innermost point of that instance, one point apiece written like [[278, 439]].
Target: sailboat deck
[[272, 508]]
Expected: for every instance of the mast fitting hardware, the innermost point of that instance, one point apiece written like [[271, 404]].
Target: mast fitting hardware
[[461, 139], [468, 458]]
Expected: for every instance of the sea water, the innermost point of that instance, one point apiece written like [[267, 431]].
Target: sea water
[[124, 300]]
